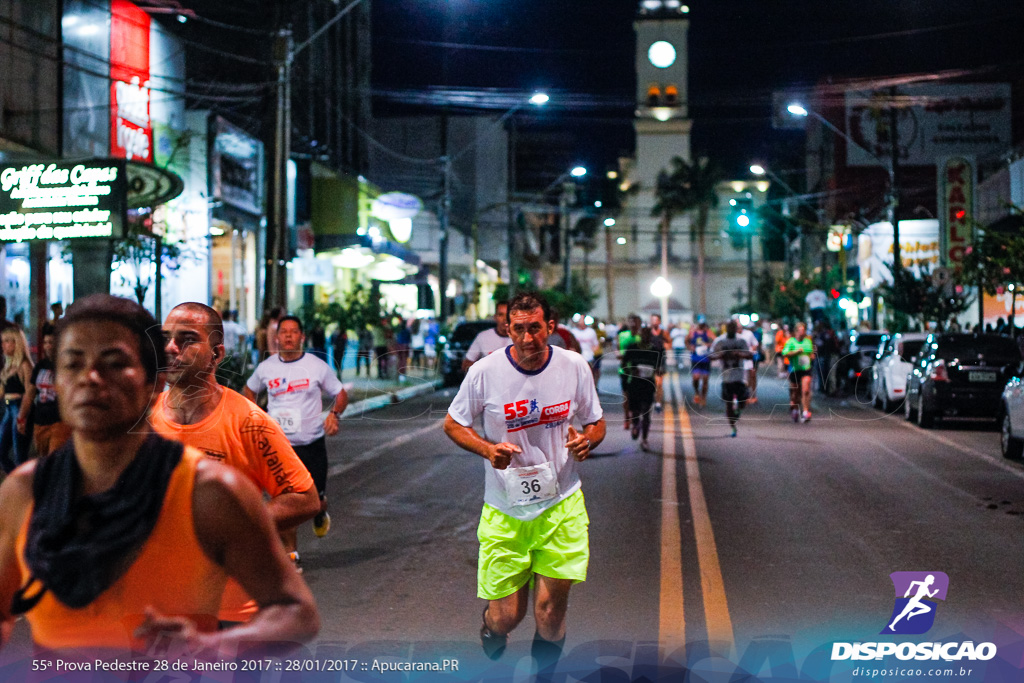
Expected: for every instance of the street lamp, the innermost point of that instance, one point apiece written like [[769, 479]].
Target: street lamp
[[662, 289], [889, 165], [567, 198], [538, 99]]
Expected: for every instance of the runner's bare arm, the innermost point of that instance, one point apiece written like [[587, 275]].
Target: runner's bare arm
[[248, 393], [15, 501], [331, 421], [582, 444], [499, 454], [235, 531], [291, 509]]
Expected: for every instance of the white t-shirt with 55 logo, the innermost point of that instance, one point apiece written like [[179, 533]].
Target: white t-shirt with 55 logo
[[532, 410]]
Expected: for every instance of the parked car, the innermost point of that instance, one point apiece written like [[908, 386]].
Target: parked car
[[855, 370], [893, 362], [1012, 417], [455, 348], [960, 376]]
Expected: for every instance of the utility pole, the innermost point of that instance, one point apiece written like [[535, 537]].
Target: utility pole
[[608, 276], [894, 200], [443, 216], [510, 235], [277, 227], [567, 199], [750, 268]]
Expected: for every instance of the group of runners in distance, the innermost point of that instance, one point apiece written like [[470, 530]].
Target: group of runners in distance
[[172, 510]]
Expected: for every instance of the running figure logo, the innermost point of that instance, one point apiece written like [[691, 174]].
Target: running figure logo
[[916, 592]]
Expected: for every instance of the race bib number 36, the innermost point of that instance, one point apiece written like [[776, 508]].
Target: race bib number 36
[[529, 485]]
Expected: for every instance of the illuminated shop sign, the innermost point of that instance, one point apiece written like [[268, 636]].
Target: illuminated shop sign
[[131, 130], [60, 201]]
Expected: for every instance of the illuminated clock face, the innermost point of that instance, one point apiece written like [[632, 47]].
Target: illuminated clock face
[[662, 54]]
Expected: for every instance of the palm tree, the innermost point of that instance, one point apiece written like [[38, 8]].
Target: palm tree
[[684, 187]]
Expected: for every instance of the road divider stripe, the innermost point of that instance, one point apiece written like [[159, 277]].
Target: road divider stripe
[[716, 607], [671, 617], [343, 467]]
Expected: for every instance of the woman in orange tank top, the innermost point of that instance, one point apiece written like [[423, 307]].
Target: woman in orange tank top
[[122, 538]]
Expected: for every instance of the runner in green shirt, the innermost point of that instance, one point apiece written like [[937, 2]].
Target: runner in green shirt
[[799, 349], [630, 336]]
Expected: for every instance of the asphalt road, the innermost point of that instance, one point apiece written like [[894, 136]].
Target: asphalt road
[[747, 554], [730, 556]]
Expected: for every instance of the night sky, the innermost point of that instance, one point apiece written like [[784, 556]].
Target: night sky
[[740, 51]]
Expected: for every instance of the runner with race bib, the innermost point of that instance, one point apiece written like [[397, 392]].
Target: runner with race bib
[[296, 383], [534, 521]]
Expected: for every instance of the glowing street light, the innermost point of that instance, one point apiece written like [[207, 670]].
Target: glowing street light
[[578, 172], [539, 99], [796, 109], [609, 222], [662, 289]]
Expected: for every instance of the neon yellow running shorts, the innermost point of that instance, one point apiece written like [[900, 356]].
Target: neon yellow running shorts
[[556, 544]]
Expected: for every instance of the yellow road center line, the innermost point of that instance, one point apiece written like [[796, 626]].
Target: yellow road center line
[[671, 622], [716, 608]]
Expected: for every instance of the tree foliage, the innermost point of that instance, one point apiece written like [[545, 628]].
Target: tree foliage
[[995, 261], [923, 298], [359, 307], [682, 188], [138, 250]]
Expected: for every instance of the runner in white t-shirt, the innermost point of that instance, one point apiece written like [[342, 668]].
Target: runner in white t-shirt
[[296, 383], [748, 364], [534, 522], [489, 341]]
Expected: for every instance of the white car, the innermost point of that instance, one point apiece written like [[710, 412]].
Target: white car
[[1012, 437], [889, 373]]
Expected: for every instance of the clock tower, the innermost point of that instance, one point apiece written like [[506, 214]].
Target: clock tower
[[662, 119], [662, 126]]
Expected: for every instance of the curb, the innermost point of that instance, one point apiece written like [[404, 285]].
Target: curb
[[378, 402]]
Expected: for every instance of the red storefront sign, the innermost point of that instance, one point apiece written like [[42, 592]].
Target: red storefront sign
[[958, 191], [131, 132]]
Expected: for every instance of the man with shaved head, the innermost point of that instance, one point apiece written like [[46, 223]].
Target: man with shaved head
[[229, 428]]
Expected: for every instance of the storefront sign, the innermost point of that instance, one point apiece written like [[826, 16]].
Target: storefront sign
[[998, 306], [62, 201], [957, 210], [941, 120], [236, 167], [919, 249], [131, 131]]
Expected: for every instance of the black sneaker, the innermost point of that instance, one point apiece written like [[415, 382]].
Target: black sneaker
[[493, 644]]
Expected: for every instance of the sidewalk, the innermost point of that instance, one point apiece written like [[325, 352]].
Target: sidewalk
[[370, 393]]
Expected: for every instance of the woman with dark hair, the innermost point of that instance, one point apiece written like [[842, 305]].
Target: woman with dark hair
[[39, 407], [122, 539]]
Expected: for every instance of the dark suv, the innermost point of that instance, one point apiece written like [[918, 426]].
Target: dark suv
[[960, 375], [456, 346]]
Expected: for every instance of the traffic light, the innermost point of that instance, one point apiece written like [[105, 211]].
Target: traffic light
[[742, 219]]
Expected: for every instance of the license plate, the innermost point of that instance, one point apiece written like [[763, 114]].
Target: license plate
[[977, 376]]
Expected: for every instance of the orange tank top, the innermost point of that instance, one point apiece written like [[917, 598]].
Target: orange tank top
[[172, 574]]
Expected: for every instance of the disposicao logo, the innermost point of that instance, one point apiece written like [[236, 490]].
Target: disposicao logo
[[914, 614], [916, 595]]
